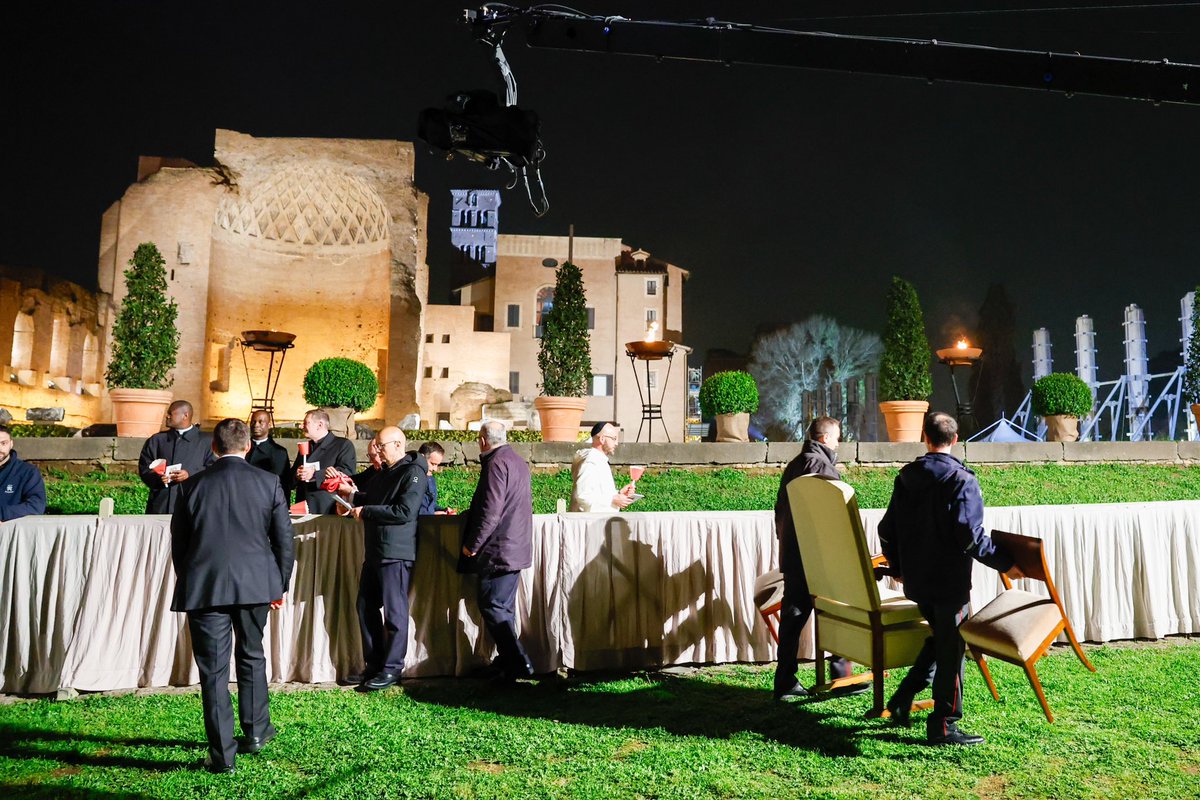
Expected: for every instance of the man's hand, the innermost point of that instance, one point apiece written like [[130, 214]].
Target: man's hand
[[166, 478], [355, 512], [347, 490], [467, 552], [277, 604], [305, 473], [622, 500], [180, 475], [1015, 573], [332, 472]]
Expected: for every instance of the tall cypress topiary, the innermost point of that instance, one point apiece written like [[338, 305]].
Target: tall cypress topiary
[[145, 339], [904, 367], [565, 356], [1191, 361]]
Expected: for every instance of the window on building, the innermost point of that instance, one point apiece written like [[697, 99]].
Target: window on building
[[652, 379], [445, 372], [429, 338], [22, 349], [514, 315], [591, 312], [445, 338], [651, 287], [602, 385], [429, 372], [514, 382], [651, 315]]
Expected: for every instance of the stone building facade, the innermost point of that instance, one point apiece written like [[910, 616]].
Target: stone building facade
[[626, 290], [323, 238], [51, 335]]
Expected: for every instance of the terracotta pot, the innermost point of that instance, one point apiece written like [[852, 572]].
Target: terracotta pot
[[733, 427], [139, 412], [1061, 428], [560, 417], [341, 421], [904, 419]]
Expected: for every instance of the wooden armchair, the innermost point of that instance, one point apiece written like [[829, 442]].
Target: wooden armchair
[[768, 596], [854, 617], [1018, 626]]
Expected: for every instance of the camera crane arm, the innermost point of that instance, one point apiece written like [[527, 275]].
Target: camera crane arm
[[710, 40]]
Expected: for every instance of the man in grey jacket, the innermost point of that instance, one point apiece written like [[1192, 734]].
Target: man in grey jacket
[[388, 509], [498, 543]]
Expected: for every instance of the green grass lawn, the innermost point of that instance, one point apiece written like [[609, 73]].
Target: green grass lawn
[[1130, 730], [736, 489]]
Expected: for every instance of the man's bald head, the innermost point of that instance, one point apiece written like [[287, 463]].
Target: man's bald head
[[391, 444]]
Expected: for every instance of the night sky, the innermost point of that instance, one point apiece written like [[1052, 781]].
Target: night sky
[[784, 192]]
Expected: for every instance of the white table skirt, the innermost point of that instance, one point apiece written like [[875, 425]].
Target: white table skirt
[[87, 600]]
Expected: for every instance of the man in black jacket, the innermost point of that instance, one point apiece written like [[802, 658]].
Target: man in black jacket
[[182, 443], [498, 543], [932, 530], [388, 509], [324, 450], [232, 549], [817, 457], [266, 453], [22, 490]]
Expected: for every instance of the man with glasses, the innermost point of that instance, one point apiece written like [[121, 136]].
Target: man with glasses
[[592, 484], [388, 509]]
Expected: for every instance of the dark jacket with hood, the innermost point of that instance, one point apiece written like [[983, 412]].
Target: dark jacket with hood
[[933, 528], [22, 491], [814, 459]]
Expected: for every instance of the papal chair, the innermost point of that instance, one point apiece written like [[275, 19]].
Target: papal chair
[[1018, 626], [854, 616]]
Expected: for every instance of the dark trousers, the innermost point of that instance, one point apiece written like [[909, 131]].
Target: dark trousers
[[497, 602], [384, 585], [940, 662], [211, 644], [793, 615]]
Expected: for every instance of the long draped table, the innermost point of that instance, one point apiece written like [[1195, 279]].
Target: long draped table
[[86, 600]]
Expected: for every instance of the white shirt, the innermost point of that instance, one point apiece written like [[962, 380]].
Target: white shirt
[[592, 485]]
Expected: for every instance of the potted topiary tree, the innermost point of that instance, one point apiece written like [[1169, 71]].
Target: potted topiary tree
[[1061, 399], [564, 358], [145, 343], [730, 398], [341, 386], [904, 380], [1191, 360]]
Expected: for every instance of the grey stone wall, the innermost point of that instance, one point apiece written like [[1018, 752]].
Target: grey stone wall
[[124, 452]]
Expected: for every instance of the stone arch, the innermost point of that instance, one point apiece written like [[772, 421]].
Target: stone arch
[[60, 344], [90, 371], [23, 334]]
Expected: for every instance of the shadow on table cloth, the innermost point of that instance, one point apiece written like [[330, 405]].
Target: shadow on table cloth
[[629, 608]]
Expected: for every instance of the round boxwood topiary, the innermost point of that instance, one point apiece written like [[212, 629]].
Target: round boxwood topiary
[[1061, 393], [728, 393], [333, 382]]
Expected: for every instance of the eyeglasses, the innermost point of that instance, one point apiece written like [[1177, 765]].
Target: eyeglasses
[[382, 445], [608, 436]]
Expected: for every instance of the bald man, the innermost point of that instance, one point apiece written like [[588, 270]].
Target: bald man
[[592, 485], [182, 444], [389, 509]]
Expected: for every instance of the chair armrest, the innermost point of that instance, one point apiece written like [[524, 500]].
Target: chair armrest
[[879, 560]]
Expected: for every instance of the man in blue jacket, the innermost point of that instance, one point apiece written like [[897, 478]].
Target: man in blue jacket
[[932, 530], [498, 543], [22, 491]]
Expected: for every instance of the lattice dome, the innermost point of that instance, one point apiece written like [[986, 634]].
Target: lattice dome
[[306, 205]]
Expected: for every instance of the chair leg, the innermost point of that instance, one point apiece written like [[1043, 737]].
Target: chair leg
[[1037, 688], [1075, 646], [987, 674], [770, 623]]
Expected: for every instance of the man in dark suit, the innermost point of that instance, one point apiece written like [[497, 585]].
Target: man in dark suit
[[388, 509], [232, 549], [325, 450], [266, 453], [498, 543], [817, 457], [434, 454], [182, 443]]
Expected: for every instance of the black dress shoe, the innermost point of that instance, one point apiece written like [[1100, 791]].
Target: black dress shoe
[[250, 745], [955, 736], [797, 692], [215, 768], [381, 681], [900, 713], [357, 678]]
